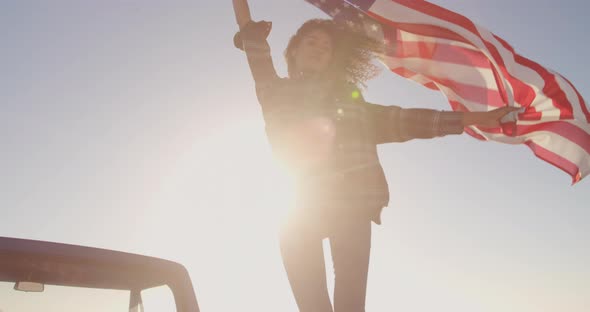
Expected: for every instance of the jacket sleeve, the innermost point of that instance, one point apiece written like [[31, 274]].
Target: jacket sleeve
[[252, 39], [396, 124]]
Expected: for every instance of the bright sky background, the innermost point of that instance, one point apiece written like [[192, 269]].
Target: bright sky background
[[133, 125]]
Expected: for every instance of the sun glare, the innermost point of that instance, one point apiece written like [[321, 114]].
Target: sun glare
[[221, 202], [228, 175]]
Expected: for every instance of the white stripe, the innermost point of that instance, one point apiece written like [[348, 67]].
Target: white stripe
[[396, 12], [393, 11], [390, 9], [572, 97], [551, 116], [520, 72], [471, 105], [552, 142], [506, 57], [545, 106], [410, 37], [542, 102], [421, 79], [399, 13], [528, 76], [483, 78]]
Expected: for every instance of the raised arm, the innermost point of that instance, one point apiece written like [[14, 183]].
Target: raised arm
[[252, 39], [242, 12]]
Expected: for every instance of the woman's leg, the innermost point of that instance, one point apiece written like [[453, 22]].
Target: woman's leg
[[303, 258], [351, 245]]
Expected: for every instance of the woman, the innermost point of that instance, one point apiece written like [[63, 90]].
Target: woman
[[319, 124]]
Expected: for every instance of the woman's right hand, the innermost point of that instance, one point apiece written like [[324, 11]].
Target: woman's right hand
[[242, 12], [489, 119]]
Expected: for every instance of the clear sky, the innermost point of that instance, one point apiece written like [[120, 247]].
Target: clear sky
[[133, 125]]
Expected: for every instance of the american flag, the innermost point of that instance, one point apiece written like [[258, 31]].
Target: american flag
[[476, 71]]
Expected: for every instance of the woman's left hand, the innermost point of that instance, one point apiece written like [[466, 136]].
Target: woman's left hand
[[489, 119]]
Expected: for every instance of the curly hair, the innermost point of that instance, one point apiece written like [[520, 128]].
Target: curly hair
[[353, 51]]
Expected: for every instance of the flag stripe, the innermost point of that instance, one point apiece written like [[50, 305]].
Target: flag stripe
[[477, 71], [563, 128], [581, 102], [565, 149], [386, 11], [581, 112], [462, 75], [526, 94], [442, 52], [551, 89], [476, 99], [556, 160], [497, 51], [440, 13], [562, 99]]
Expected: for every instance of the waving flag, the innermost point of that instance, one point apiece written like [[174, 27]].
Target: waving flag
[[477, 71]]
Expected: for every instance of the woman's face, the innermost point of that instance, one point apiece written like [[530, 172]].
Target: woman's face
[[314, 52]]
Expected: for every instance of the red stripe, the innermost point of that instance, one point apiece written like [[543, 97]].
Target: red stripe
[[420, 29], [458, 106], [556, 160], [530, 114], [412, 76], [442, 52], [500, 61], [478, 95], [404, 72], [390, 35], [527, 94], [564, 129], [440, 13], [581, 100], [475, 94], [451, 54], [431, 85], [523, 93], [439, 32], [551, 88]]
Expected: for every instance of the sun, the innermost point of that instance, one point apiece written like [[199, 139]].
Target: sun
[[229, 172]]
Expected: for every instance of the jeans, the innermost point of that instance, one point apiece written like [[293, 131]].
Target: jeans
[[303, 259]]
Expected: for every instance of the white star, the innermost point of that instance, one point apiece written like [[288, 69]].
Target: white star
[[350, 23], [374, 27]]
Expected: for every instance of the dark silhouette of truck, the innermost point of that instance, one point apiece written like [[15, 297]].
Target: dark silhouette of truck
[[28, 266]]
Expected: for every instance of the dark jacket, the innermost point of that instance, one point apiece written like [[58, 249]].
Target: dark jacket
[[328, 134]]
